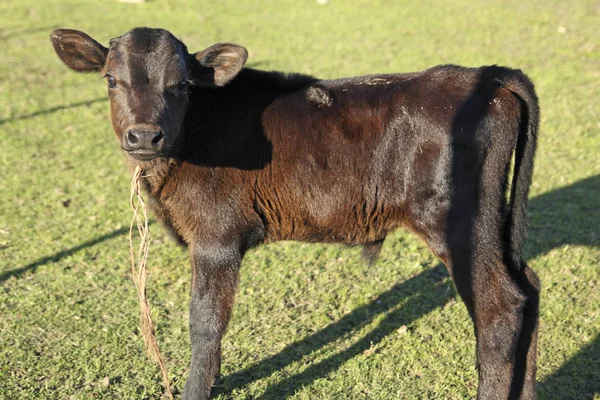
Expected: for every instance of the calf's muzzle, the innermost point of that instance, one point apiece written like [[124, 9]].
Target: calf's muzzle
[[143, 143]]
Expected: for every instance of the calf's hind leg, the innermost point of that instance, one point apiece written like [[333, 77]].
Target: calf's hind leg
[[503, 306], [523, 385]]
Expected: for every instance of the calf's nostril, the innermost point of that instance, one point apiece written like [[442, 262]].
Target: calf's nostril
[[157, 139], [132, 137]]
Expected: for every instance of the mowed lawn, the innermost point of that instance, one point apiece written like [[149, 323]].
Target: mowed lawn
[[311, 321]]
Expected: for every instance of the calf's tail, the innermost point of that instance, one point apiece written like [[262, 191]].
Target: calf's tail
[[516, 228]]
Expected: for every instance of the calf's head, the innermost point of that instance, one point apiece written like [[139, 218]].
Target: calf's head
[[149, 74]]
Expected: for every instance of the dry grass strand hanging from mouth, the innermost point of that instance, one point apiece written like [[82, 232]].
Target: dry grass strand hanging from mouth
[[138, 271]]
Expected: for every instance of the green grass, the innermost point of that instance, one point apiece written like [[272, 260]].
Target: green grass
[[311, 321]]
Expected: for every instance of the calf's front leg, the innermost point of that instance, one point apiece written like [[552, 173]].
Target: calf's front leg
[[214, 280]]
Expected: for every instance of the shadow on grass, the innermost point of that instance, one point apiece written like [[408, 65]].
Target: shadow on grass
[[563, 216], [578, 378], [61, 254], [423, 293], [569, 216], [52, 109]]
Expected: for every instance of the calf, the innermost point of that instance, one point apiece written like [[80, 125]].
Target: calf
[[234, 157]]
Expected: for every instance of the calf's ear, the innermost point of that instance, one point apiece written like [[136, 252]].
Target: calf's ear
[[78, 51], [219, 64]]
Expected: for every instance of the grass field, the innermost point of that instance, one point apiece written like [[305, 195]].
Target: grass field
[[311, 321]]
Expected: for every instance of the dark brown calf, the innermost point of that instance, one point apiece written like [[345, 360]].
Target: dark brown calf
[[236, 157]]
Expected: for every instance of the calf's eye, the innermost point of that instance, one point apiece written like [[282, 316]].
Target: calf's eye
[[112, 82], [181, 86]]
